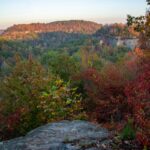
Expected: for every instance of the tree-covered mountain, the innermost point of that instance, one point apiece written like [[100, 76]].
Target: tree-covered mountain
[[30, 30]]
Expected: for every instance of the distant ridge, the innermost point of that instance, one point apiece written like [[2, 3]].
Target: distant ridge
[[71, 26]]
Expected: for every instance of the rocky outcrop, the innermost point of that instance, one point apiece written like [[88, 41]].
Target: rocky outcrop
[[127, 42], [65, 135], [118, 41]]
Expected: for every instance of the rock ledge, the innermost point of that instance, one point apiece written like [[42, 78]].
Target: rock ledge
[[64, 135]]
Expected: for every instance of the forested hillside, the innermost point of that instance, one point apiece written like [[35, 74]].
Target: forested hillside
[[28, 30], [42, 42], [24, 31]]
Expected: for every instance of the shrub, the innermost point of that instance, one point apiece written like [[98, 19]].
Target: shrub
[[105, 93], [138, 95], [128, 132], [61, 102]]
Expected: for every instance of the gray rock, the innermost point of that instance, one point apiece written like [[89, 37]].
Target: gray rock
[[64, 135]]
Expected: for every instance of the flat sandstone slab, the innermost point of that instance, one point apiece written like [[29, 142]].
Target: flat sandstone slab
[[64, 135]]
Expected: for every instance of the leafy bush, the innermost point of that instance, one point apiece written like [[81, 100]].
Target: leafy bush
[[138, 95], [105, 93], [61, 102], [128, 132]]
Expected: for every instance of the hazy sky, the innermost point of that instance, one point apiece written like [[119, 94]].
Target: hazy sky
[[102, 11]]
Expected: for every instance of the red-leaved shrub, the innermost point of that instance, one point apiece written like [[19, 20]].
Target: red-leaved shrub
[[9, 125], [105, 93], [138, 96]]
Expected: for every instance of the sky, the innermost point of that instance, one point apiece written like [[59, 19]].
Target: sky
[[101, 11]]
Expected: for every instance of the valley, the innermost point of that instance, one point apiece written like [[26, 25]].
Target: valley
[[74, 84]]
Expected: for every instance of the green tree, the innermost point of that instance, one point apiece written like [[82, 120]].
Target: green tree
[[90, 58], [142, 25], [61, 65]]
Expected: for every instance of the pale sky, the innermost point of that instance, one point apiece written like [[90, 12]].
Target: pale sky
[[101, 11]]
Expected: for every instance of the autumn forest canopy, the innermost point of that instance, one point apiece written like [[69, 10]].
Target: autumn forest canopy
[[77, 70]]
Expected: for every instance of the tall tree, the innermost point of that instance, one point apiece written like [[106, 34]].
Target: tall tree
[[142, 25]]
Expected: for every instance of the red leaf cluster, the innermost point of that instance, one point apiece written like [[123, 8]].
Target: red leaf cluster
[[138, 96], [105, 94], [9, 124]]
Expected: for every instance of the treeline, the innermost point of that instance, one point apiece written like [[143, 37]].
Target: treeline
[[117, 30], [70, 44]]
